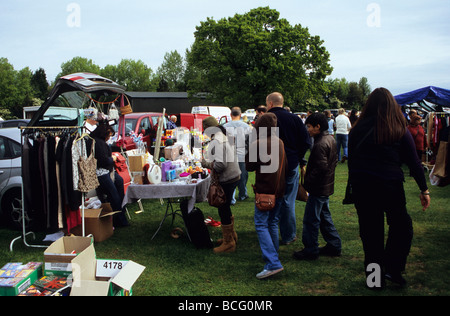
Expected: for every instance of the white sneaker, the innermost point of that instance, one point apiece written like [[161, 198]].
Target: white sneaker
[[267, 273]]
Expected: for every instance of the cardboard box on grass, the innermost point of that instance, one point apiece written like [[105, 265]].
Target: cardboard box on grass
[[58, 256], [100, 277], [21, 277], [98, 222]]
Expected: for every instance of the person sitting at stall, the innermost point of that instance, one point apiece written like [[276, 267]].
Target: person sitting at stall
[[172, 122], [114, 190]]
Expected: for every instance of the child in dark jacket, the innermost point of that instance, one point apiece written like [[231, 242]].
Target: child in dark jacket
[[319, 182]]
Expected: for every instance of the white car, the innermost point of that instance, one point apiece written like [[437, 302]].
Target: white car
[[11, 177]]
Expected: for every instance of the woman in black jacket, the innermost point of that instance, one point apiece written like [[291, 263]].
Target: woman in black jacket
[[378, 144], [105, 165]]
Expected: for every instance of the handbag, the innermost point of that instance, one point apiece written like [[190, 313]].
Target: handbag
[[266, 202], [216, 195], [442, 159], [125, 109], [302, 194], [88, 180]]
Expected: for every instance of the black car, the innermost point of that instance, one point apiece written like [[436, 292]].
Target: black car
[[14, 123]]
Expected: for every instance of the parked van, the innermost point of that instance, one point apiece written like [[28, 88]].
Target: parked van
[[190, 121], [217, 111]]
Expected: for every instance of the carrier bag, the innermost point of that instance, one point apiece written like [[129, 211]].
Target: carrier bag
[[195, 225]]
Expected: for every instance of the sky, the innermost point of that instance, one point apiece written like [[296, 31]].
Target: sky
[[397, 44]]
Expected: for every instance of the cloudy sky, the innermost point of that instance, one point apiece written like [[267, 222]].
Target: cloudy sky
[[398, 44]]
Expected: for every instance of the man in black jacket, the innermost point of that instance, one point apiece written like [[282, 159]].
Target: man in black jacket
[[296, 142]]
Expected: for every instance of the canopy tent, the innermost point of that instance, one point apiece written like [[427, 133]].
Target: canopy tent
[[435, 95]]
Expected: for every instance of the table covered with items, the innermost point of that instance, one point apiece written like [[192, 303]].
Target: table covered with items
[[174, 175]]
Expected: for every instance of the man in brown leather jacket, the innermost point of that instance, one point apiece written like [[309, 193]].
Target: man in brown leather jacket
[[319, 182]]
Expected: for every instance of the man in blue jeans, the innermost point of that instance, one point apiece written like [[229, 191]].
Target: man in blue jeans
[[296, 142], [239, 132]]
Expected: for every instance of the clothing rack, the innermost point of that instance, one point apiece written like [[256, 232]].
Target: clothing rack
[[24, 232]]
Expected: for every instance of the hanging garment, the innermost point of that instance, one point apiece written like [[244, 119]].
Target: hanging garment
[[87, 180]]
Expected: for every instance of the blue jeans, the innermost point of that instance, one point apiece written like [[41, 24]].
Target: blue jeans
[[342, 140], [288, 225], [242, 184], [318, 217], [266, 224]]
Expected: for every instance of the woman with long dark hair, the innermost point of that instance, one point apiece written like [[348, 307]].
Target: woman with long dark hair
[[379, 143]]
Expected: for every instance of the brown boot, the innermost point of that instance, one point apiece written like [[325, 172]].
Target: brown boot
[[235, 236], [228, 244]]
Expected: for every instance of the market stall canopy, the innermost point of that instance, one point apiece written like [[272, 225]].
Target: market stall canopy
[[68, 96], [435, 95]]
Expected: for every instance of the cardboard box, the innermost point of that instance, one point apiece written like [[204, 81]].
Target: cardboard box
[[98, 222], [58, 256], [173, 152], [136, 162], [92, 277], [137, 177], [18, 278]]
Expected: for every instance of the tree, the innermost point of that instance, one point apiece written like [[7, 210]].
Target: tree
[[78, 64], [15, 90], [243, 58], [40, 84], [365, 89], [133, 75], [171, 73], [8, 88], [355, 96]]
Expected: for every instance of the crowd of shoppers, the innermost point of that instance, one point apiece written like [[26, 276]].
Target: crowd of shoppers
[[375, 144]]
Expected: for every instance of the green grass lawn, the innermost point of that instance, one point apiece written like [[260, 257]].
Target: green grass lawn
[[175, 267]]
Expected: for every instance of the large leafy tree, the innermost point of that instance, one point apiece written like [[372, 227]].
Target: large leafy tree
[[15, 90], [243, 58]]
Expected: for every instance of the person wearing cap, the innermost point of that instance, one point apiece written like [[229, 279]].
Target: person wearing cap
[[114, 190], [222, 158]]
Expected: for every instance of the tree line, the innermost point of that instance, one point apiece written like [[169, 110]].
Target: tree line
[[237, 61]]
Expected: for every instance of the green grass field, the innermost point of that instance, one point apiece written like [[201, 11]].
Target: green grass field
[[175, 267]]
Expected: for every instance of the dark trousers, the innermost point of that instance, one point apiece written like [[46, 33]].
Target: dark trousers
[[373, 198], [225, 210], [115, 194]]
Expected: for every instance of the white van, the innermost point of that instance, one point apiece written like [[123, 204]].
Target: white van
[[221, 113]]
